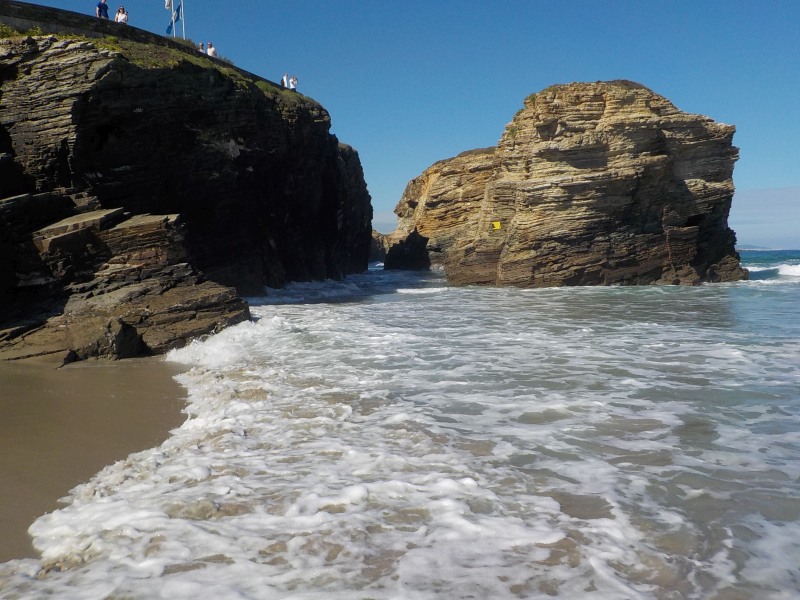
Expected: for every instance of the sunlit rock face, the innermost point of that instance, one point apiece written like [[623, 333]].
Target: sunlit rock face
[[590, 184], [441, 206]]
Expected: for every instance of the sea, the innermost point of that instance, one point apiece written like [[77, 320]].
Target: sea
[[391, 437]]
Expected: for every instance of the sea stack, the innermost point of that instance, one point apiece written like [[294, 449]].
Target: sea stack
[[591, 184]]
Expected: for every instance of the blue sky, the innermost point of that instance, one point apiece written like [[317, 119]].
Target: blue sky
[[409, 83]]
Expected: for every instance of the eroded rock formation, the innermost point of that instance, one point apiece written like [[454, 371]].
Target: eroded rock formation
[[591, 183], [143, 187]]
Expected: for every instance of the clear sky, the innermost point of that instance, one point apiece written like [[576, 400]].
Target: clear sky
[[409, 83]]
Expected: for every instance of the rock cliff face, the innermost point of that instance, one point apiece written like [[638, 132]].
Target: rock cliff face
[[591, 183], [143, 186], [438, 208]]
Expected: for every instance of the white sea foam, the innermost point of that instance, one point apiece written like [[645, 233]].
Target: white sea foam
[[789, 270], [373, 442], [774, 273]]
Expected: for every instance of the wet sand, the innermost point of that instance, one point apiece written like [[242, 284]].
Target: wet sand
[[58, 427]]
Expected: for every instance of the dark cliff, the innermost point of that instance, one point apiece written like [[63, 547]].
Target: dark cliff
[[244, 184], [591, 184]]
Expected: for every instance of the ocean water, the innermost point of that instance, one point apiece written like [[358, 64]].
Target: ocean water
[[389, 437]]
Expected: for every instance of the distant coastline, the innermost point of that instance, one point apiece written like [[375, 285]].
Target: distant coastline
[[753, 248]]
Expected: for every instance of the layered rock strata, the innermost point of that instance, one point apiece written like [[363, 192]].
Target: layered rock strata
[[120, 286], [591, 184], [438, 208], [144, 187]]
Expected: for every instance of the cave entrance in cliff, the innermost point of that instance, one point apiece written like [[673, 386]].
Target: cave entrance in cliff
[[695, 221]]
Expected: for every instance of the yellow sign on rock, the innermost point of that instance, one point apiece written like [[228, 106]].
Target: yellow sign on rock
[[496, 225]]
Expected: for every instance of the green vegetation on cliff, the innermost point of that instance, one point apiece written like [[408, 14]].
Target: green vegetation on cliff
[[154, 56]]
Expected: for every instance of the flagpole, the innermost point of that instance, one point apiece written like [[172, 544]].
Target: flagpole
[[176, 15], [183, 18]]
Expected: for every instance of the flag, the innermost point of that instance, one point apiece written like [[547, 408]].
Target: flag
[[168, 4], [176, 16]]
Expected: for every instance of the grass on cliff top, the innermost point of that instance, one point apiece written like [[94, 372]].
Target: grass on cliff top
[[620, 83], [7, 32], [160, 57], [151, 56], [143, 55]]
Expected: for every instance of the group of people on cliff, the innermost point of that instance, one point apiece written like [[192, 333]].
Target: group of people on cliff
[[289, 82], [211, 51], [101, 12]]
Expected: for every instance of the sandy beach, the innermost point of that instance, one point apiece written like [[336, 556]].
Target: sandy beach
[[58, 427]]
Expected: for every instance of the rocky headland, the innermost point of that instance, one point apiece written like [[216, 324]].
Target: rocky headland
[[590, 184], [145, 188]]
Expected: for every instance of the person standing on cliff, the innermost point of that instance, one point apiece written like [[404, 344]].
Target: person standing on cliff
[[285, 80], [293, 83], [101, 11], [121, 16], [211, 51]]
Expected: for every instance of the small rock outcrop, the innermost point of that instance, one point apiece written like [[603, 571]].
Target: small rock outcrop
[[144, 187], [591, 184], [104, 283]]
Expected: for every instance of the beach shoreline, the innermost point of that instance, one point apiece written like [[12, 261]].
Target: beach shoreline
[[60, 426]]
